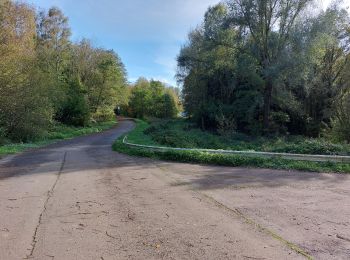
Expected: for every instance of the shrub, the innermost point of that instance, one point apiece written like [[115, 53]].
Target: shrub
[[226, 126], [182, 133], [3, 139], [103, 115], [341, 123], [75, 110]]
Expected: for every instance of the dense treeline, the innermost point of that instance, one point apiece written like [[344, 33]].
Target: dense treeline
[[152, 99], [45, 77], [267, 67]]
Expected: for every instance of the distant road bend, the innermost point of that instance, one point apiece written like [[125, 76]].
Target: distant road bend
[[80, 200]]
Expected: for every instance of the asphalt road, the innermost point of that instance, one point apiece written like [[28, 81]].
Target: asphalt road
[[80, 200]]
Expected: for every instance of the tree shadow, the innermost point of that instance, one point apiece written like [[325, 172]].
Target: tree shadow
[[82, 153], [216, 177]]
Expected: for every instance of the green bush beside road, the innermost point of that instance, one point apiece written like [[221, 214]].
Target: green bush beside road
[[141, 135]]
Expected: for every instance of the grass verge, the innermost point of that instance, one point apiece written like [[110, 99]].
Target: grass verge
[[138, 136], [183, 133], [58, 132]]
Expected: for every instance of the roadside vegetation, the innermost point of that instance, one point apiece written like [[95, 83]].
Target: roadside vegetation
[[152, 99], [183, 133], [257, 75], [54, 88], [51, 87], [140, 135], [271, 68], [57, 132]]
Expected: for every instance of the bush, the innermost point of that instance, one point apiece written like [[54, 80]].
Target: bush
[[75, 110], [3, 139], [310, 146], [226, 126], [341, 123], [182, 133], [26, 120], [103, 115], [232, 160]]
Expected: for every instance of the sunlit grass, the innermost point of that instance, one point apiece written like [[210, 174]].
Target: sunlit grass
[[138, 136]]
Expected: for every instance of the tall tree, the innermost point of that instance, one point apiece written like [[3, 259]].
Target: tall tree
[[53, 34], [206, 66], [25, 111], [269, 23]]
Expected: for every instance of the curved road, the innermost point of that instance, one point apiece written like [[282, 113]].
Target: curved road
[[80, 200]]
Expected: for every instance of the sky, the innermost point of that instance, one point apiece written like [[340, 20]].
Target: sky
[[147, 34]]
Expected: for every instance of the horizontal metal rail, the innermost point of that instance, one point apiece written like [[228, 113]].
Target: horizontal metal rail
[[289, 156]]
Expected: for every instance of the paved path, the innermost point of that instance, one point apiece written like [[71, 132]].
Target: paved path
[[79, 200]]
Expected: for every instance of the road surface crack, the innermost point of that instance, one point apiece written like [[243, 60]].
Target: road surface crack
[[48, 196]]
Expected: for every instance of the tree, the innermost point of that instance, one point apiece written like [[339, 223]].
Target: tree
[[319, 53], [25, 110], [75, 110], [139, 98], [152, 99], [53, 47], [269, 23], [170, 107], [45, 77], [103, 76], [249, 57], [53, 34], [206, 67]]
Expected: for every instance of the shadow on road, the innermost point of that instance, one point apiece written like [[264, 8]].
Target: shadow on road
[[97, 148]]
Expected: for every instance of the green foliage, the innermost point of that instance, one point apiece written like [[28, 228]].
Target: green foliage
[[183, 134], [61, 131], [341, 123], [144, 133], [45, 77], [233, 160], [25, 110], [3, 139], [265, 67], [75, 110], [138, 136], [169, 107], [102, 76], [152, 99]]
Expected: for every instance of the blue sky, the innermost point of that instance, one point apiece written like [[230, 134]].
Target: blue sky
[[147, 34]]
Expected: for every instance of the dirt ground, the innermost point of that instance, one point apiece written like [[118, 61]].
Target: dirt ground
[[80, 200]]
